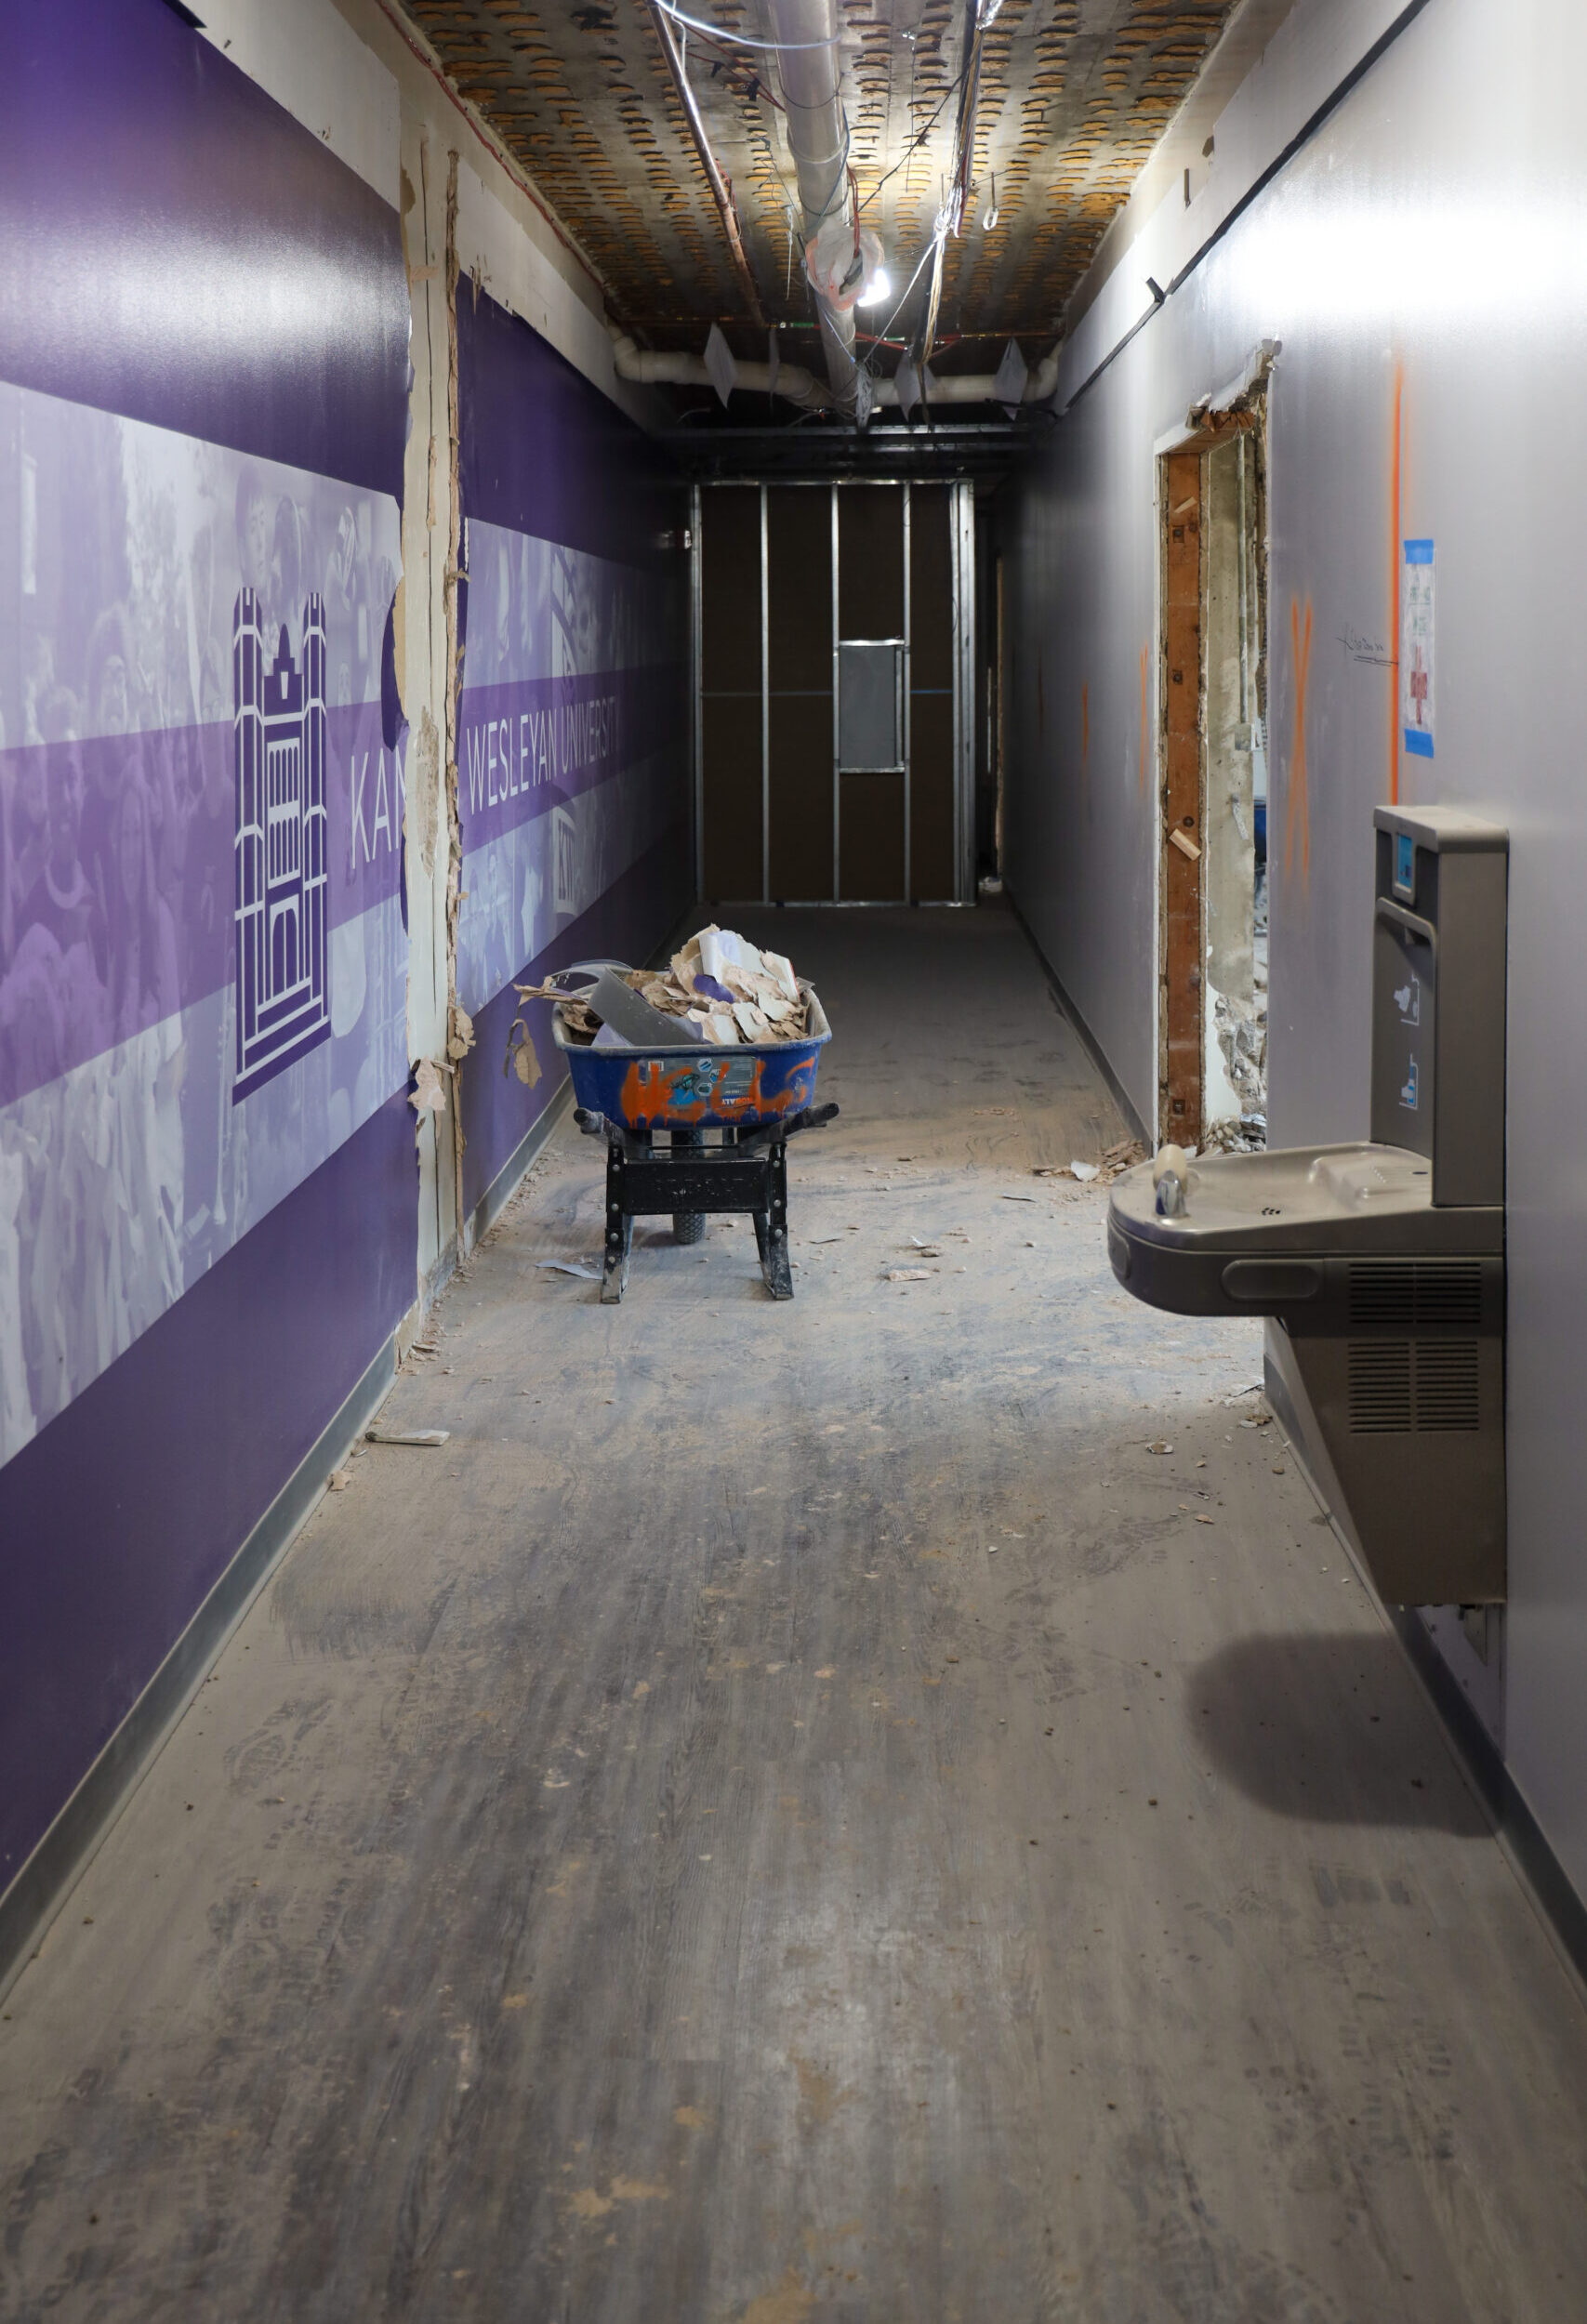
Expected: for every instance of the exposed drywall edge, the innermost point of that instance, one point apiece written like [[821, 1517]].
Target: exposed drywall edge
[[1092, 1047], [398, 39], [312, 62], [1259, 140], [47, 1879], [1541, 1876]]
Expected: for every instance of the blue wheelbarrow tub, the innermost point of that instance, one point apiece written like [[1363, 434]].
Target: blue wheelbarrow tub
[[697, 1085]]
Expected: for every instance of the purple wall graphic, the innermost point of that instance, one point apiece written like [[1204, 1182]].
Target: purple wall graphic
[[206, 1183], [284, 1003], [192, 1019], [572, 715]]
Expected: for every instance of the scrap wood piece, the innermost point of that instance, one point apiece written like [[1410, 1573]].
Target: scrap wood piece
[[423, 1439]]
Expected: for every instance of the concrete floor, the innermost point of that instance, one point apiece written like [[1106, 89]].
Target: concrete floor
[[796, 1813]]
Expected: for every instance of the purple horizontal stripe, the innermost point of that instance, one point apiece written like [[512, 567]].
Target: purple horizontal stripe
[[534, 744], [180, 249], [187, 771], [626, 923], [546, 453], [117, 1519]]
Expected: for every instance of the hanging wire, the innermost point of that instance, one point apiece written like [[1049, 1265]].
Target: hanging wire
[[740, 40], [915, 142]]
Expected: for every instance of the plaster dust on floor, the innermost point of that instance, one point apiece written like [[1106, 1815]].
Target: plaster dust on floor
[[808, 1809]]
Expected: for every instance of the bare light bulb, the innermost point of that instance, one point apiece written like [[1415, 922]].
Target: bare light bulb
[[877, 289]]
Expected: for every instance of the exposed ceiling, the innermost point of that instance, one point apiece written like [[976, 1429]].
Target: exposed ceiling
[[1072, 96]]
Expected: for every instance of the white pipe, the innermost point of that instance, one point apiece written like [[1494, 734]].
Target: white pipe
[[795, 385]]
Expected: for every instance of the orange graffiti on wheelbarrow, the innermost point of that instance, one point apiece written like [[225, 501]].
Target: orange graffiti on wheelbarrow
[[650, 1094]]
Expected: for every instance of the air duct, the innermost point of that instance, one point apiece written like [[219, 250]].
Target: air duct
[[810, 72]]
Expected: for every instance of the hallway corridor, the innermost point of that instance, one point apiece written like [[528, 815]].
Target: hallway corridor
[[809, 1811]]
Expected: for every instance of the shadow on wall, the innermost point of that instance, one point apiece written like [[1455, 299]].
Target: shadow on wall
[[1329, 1730]]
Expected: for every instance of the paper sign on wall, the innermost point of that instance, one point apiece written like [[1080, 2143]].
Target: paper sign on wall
[[1416, 648]]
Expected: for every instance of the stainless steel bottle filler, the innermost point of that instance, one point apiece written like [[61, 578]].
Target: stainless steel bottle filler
[[1381, 1264]]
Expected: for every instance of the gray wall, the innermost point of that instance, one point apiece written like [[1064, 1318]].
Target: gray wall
[[1433, 226]]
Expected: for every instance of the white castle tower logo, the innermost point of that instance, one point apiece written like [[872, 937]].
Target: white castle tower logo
[[283, 998]]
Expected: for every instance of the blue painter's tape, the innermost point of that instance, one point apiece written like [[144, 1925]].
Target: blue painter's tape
[[1419, 552], [1419, 742]]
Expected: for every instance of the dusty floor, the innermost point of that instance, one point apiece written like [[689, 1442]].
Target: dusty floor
[[796, 1813]]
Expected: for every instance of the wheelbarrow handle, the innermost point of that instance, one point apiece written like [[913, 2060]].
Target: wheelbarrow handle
[[775, 1133]]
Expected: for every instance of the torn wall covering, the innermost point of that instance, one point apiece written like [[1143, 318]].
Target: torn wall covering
[[573, 717], [206, 1171]]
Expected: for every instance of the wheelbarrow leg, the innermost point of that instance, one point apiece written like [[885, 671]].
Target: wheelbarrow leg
[[772, 1228], [688, 1226], [619, 1232]]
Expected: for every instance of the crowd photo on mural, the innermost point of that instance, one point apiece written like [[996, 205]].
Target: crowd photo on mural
[[125, 1168]]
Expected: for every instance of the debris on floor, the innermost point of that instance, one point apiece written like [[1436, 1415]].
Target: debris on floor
[[1242, 1036], [721, 988], [424, 1439], [1114, 1160]]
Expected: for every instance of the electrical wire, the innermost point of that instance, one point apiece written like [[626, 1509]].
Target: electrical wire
[[740, 40], [915, 142]]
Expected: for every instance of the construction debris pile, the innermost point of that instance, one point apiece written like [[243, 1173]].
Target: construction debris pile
[[1115, 1161], [721, 989]]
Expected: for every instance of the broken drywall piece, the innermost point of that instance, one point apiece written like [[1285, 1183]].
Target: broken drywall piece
[[910, 1274], [521, 1055], [422, 1439], [460, 1032], [1085, 1171], [570, 1267], [428, 1092]]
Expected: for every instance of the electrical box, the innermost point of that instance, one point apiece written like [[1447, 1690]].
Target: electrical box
[[1381, 1264]]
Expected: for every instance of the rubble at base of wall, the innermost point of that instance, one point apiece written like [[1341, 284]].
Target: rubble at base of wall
[[1242, 1036]]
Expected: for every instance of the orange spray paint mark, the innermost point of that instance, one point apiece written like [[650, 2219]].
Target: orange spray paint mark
[[1143, 786], [1296, 803], [1393, 588]]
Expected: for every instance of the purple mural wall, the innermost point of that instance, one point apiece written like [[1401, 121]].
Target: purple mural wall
[[206, 1156], [572, 718]]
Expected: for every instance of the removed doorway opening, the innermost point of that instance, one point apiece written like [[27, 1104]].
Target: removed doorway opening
[[1212, 1002]]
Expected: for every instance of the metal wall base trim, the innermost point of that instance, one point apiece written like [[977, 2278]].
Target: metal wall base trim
[[1089, 1041], [1548, 1887], [506, 1182], [47, 1879]]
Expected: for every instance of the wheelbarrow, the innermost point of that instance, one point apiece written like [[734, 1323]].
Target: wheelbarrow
[[695, 1128]]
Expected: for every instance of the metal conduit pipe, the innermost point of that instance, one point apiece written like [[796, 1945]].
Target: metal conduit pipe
[[810, 69], [795, 385]]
